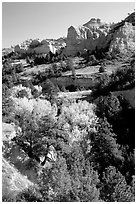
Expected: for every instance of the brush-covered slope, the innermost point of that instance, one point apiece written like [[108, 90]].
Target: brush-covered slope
[[13, 182]]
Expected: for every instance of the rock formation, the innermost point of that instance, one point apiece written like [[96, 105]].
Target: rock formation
[[90, 36], [123, 39], [40, 47], [93, 35], [98, 35]]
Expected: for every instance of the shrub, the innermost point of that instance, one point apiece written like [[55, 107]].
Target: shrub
[[49, 89], [103, 149], [102, 69], [19, 68], [108, 106], [77, 119], [115, 188]]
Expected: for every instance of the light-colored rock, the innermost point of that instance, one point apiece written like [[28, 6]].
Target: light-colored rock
[[123, 39], [40, 47], [94, 35], [8, 131], [90, 36]]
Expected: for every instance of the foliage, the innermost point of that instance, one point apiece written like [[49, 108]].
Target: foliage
[[70, 66], [49, 89], [31, 139], [108, 106], [115, 188], [18, 68], [7, 105], [21, 92], [119, 113], [9, 75], [30, 195], [128, 167], [84, 178], [94, 144], [103, 147], [123, 78], [102, 69], [77, 119], [71, 179]]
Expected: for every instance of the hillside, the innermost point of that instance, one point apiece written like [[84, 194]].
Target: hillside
[[68, 116]]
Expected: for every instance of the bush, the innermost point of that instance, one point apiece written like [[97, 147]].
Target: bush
[[49, 89], [115, 188], [108, 106], [103, 149], [102, 69], [19, 68], [7, 105]]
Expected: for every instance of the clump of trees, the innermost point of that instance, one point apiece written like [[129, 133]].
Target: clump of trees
[[88, 155], [121, 79]]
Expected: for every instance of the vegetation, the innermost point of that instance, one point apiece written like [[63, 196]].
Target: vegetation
[[72, 150], [122, 79]]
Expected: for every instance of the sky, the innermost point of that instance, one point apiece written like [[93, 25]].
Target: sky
[[46, 20]]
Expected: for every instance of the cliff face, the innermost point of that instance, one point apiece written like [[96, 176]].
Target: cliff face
[[94, 34], [123, 39], [90, 36]]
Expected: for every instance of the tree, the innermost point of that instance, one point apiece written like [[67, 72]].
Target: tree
[[36, 135], [84, 179], [19, 68], [7, 105], [102, 68], [71, 179], [114, 187], [103, 149], [49, 89], [70, 66], [108, 106], [77, 119]]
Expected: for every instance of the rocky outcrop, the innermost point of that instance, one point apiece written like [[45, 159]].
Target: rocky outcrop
[[96, 35], [123, 39], [90, 36], [40, 47], [93, 35]]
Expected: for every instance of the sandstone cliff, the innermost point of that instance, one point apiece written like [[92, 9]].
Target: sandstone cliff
[[95, 34]]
